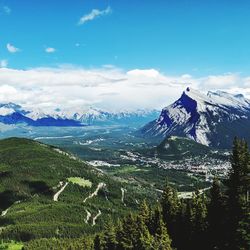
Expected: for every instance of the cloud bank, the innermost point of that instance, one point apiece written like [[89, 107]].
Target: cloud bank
[[108, 88]]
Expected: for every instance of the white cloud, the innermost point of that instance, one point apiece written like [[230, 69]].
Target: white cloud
[[6, 9], [109, 88], [3, 63], [221, 81], [145, 73], [50, 50], [12, 48], [186, 76], [94, 14]]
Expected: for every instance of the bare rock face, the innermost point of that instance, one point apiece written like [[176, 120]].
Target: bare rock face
[[213, 119]]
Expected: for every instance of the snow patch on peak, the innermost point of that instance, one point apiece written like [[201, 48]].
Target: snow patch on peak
[[200, 116], [10, 108], [226, 99], [6, 111]]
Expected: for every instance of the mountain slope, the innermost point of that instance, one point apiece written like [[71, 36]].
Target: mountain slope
[[213, 119], [44, 193], [181, 147]]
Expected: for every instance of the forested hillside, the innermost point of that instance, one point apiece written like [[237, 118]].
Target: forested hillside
[[216, 219], [45, 193]]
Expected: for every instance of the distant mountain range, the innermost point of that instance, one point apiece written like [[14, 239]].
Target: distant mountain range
[[11, 113], [213, 119]]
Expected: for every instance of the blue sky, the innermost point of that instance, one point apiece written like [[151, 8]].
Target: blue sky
[[133, 53], [195, 37]]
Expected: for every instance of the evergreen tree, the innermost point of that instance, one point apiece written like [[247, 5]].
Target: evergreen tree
[[126, 233], [199, 223], [238, 190], [216, 217], [170, 208], [184, 224], [161, 237], [97, 243], [145, 213], [109, 237], [243, 233], [144, 240]]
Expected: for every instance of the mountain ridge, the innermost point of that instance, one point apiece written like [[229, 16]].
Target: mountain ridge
[[11, 113], [203, 118]]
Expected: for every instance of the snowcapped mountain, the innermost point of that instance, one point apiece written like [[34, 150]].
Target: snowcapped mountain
[[93, 116], [97, 117], [11, 113], [213, 119], [9, 108]]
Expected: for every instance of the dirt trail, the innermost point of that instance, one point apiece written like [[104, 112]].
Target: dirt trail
[[56, 195], [88, 216], [95, 218], [5, 212], [100, 186], [123, 195]]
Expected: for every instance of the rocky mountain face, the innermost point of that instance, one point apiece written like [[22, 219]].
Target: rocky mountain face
[[213, 119]]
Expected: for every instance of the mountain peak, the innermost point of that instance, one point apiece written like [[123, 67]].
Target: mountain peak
[[203, 118], [195, 95]]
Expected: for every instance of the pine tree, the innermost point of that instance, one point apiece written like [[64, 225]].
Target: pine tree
[[243, 233], [199, 223], [97, 242], [216, 217], [127, 232], [143, 237], [119, 234], [109, 237], [185, 225], [144, 240], [145, 212], [238, 189], [162, 240], [170, 208]]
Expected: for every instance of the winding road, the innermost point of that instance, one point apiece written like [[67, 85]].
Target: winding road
[[95, 218], [5, 212], [56, 195], [100, 186], [88, 216]]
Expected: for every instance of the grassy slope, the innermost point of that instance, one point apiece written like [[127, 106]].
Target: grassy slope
[[11, 246]]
